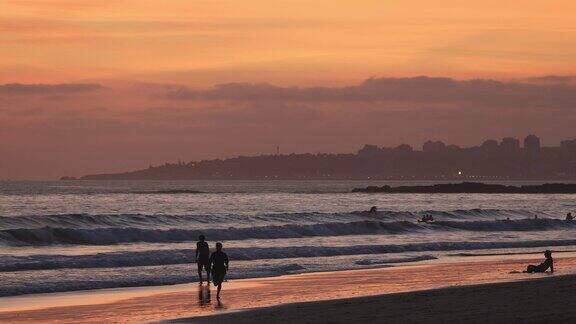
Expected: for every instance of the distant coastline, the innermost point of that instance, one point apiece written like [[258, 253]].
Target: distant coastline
[[492, 160], [475, 187]]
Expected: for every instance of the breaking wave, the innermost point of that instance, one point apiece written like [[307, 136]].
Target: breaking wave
[[195, 221], [108, 230]]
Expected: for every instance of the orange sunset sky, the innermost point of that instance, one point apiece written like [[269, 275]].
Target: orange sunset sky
[[91, 86]]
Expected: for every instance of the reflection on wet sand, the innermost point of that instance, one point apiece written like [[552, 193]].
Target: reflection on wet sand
[[190, 300], [205, 301], [204, 296]]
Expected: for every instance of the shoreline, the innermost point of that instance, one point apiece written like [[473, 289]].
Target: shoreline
[[145, 304], [538, 300]]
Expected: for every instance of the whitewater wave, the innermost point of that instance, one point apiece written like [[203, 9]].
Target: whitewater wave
[[87, 221], [116, 235], [167, 192], [186, 256], [107, 236], [368, 262], [30, 282], [475, 254]]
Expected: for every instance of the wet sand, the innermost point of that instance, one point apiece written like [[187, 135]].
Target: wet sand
[[546, 300], [191, 301]]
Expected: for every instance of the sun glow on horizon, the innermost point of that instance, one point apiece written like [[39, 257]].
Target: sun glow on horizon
[[282, 42]]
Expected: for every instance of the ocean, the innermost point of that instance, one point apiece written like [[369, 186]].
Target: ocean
[[80, 235]]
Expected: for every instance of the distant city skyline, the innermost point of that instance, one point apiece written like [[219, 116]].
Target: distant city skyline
[[491, 160], [531, 141], [504, 143]]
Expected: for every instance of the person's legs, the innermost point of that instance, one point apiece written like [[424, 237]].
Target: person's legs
[[217, 279], [208, 274], [200, 271]]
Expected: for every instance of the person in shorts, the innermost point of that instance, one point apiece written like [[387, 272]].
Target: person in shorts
[[219, 264], [203, 258]]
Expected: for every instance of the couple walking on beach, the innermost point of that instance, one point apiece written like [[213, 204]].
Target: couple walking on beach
[[215, 263]]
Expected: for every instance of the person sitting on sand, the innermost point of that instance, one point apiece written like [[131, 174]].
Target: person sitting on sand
[[203, 258], [219, 263], [542, 267], [569, 217]]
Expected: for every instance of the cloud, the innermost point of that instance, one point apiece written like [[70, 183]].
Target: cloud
[[482, 92], [553, 79], [47, 89]]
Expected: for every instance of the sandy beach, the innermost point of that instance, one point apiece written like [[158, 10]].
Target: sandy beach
[[422, 291], [543, 300]]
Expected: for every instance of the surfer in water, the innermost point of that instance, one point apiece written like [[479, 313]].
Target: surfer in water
[[569, 217], [542, 267], [219, 263], [203, 258], [426, 219]]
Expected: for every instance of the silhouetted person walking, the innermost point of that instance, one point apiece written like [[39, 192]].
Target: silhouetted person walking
[[542, 267], [219, 262], [203, 258]]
